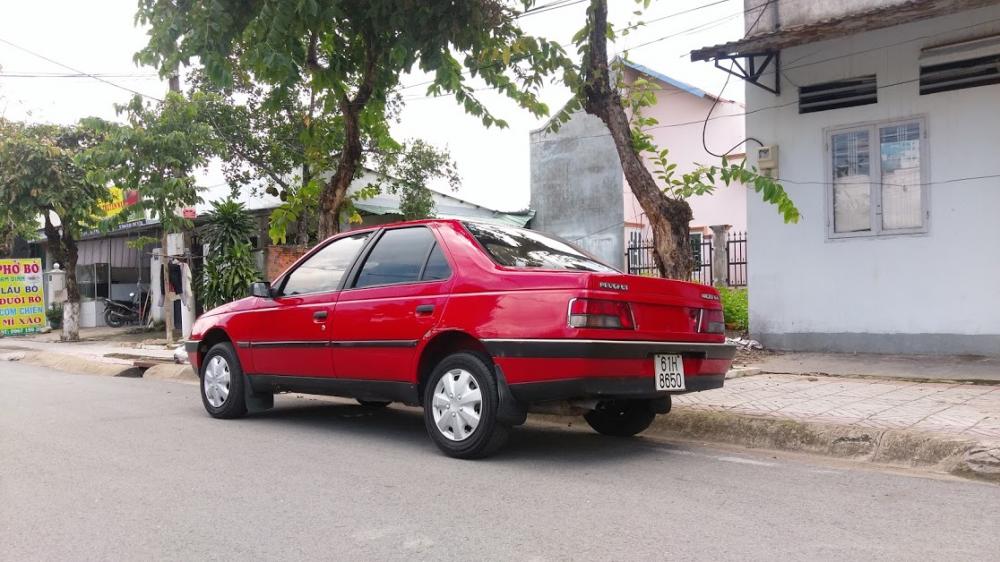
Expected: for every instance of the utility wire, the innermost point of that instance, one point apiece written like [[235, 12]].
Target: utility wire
[[549, 7], [715, 102], [713, 118], [699, 27], [43, 76], [76, 70], [630, 27]]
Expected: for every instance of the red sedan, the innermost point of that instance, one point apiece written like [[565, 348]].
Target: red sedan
[[478, 324]]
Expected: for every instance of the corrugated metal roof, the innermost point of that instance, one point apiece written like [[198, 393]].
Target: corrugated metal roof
[[694, 91]]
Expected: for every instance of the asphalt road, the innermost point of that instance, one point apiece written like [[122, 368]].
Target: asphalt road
[[103, 468]]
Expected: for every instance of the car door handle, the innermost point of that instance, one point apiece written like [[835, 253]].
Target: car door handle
[[425, 309], [319, 316]]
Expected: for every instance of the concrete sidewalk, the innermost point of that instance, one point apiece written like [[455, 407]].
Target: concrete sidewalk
[[106, 351], [905, 367], [957, 410]]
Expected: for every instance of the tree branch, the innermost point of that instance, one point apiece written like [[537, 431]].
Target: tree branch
[[367, 86], [312, 57]]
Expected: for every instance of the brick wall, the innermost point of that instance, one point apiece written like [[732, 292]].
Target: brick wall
[[280, 257]]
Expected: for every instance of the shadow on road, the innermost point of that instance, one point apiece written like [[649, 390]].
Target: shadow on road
[[402, 427]]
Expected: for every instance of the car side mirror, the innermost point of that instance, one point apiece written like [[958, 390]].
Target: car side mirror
[[261, 289]]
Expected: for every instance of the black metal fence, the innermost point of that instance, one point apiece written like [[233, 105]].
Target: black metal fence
[[736, 257], [639, 258]]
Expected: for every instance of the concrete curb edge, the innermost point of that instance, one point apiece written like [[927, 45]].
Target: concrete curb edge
[[901, 448], [73, 363]]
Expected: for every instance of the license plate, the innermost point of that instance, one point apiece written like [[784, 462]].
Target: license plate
[[669, 371]]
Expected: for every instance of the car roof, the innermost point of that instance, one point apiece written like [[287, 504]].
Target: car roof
[[419, 222], [415, 223]]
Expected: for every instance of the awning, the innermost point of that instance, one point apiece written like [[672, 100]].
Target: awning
[[832, 28], [114, 251]]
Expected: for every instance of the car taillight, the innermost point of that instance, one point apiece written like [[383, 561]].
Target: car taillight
[[707, 321], [592, 313]]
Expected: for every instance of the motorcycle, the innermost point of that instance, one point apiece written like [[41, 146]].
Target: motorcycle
[[120, 313]]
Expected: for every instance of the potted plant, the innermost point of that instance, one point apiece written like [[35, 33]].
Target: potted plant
[[55, 316]]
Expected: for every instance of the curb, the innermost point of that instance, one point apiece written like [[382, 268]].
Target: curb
[[738, 372], [73, 363], [764, 371], [171, 372], [902, 448]]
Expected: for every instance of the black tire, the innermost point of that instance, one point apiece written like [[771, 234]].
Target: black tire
[[374, 404], [620, 418], [113, 320], [489, 435], [235, 403]]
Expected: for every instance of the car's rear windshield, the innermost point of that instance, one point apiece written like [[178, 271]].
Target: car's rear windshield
[[518, 247]]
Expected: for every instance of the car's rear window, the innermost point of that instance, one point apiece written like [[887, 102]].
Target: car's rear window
[[518, 247]]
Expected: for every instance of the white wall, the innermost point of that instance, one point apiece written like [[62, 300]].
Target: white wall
[[940, 283]]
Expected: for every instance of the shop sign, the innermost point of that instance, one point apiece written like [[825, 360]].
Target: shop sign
[[118, 200], [22, 298]]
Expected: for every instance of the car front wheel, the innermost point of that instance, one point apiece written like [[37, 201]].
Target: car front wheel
[[460, 407], [620, 418], [222, 390]]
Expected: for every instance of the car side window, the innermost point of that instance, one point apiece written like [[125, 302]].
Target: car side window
[[437, 267], [397, 257], [324, 270]]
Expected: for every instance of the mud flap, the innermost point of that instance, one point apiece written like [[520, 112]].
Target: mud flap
[[256, 401], [509, 411]]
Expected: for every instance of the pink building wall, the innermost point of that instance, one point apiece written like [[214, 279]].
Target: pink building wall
[[684, 112]]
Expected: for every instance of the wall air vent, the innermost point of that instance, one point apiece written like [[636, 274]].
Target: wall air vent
[[835, 95], [960, 65]]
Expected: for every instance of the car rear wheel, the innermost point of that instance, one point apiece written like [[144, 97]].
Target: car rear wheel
[[222, 390], [373, 404], [460, 407], [620, 418]]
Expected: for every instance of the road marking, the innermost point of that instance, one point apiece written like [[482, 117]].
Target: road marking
[[737, 460]]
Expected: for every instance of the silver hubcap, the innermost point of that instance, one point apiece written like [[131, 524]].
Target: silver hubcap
[[458, 403], [216, 381]]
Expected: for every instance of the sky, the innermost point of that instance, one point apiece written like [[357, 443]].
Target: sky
[[101, 37]]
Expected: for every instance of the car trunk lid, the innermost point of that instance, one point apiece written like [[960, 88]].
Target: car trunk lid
[[663, 308]]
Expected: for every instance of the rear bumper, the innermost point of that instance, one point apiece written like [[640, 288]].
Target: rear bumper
[[541, 370], [605, 349], [606, 387]]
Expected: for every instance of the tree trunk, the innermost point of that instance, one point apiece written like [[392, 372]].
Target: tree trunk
[[64, 249], [71, 309], [6, 243], [668, 217], [302, 228], [168, 293], [335, 191]]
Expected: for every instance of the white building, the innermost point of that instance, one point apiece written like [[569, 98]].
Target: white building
[[887, 129]]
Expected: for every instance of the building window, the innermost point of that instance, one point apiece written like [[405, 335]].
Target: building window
[[877, 174]]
